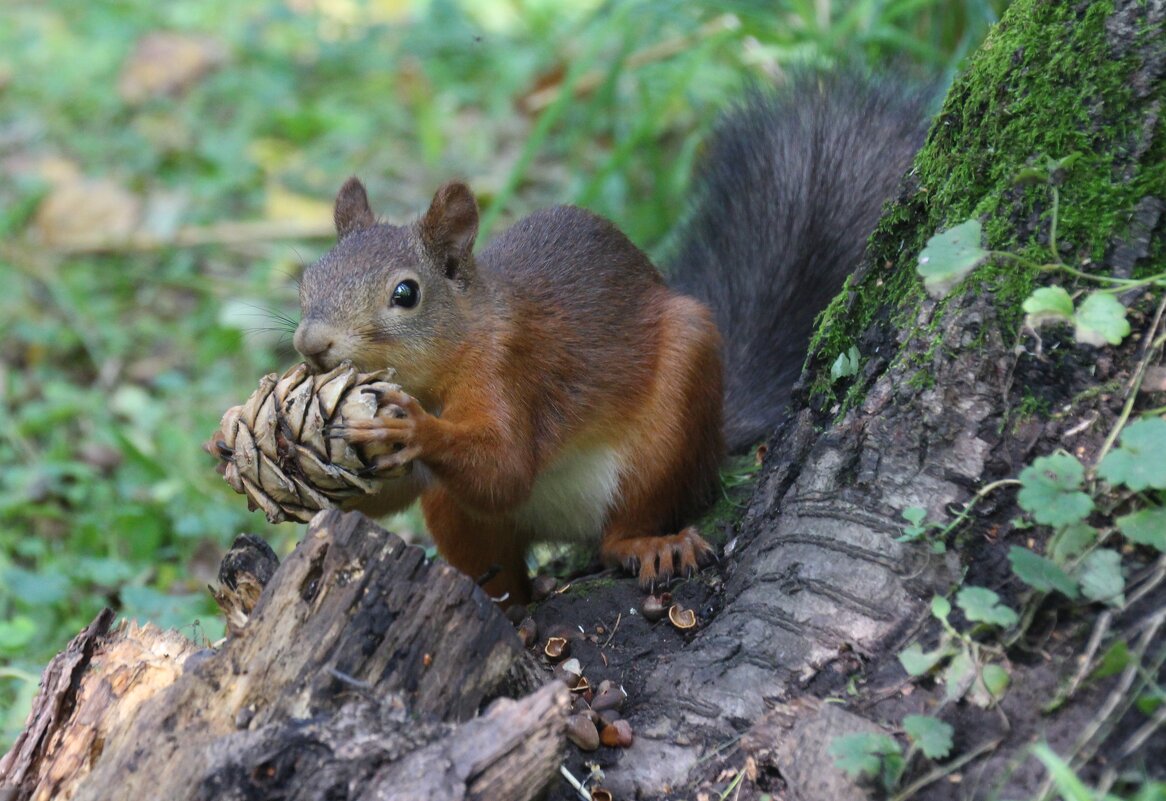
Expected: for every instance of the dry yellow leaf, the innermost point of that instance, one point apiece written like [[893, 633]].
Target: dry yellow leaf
[[165, 63]]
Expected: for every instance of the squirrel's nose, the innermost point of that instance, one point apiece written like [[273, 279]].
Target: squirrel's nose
[[314, 341]]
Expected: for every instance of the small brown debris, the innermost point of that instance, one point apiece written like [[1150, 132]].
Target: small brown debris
[[582, 732], [681, 618], [608, 695], [528, 632], [617, 734], [569, 671], [556, 648], [656, 606]]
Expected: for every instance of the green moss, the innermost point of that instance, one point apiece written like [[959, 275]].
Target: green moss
[[1030, 406], [1044, 83], [738, 478]]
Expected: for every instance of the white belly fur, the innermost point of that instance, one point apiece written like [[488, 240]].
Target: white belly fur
[[571, 498]]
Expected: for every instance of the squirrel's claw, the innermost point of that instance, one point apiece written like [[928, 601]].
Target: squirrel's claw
[[657, 559], [390, 461]]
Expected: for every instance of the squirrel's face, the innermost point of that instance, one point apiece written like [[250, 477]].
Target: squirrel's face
[[389, 296]]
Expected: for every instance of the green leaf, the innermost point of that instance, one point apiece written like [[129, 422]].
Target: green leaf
[[16, 633], [845, 365], [1151, 791], [940, 607], [982, 605], [915, 515], [1145, 527], [1101, 578], [949, 256], [1050, 490], [1140, 462], [996, 680], [1149, 701], [1030, 175], [1063, 163], [861, 754], [1048, 304], [1040, 573], [916, 661], [1071, 542], [933, 736], [959, 676], [1101, 319], [1070, 787], [1114, 661]]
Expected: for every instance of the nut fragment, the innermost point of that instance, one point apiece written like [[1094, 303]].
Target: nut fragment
[[570, 671], [617, 734], [655, 606], [582, 732], [527, 632], [681, 618], [608, 695], [557, 648]]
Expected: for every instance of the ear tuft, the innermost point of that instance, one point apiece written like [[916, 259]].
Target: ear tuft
[[352, 212], [450, 226]]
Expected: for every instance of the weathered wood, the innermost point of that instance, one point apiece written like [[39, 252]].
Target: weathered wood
[[352, 671]]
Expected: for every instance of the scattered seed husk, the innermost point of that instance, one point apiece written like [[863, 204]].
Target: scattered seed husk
[[655, 607], [557, 648], [608, 695], [681, 618], [527, 632], [582, 732], [617, 734]]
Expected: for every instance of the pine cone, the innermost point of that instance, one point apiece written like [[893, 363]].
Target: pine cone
[[275, 450]]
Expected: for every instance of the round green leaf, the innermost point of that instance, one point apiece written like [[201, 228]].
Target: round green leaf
[[1145, 527], [1140, 462], [861, 753], [1071, 541], [940, 607], [933, 736], [1048, 304], [1050, 490], [949, 256], [1040, 573], [1100, 319], [996, 680], [1101, 578], [982, 605]]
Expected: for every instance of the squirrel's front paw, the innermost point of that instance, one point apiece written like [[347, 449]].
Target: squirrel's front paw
[[390, 439]]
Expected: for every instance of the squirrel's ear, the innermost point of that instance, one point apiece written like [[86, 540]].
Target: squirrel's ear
[[450, 226], [352, 212]]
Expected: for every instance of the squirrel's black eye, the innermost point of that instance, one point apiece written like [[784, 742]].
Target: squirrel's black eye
[[406, 294]]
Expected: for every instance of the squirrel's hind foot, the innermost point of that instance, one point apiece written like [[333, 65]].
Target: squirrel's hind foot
[[656, 559]]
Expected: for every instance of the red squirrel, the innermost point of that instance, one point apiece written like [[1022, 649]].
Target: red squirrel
[[555, 386]]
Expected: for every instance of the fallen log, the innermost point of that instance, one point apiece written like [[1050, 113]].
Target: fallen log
[[358, 673]]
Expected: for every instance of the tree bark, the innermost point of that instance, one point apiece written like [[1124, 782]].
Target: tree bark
[[350, 675]]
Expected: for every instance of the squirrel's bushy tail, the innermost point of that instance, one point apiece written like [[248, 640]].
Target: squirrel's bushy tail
[[785, 197]]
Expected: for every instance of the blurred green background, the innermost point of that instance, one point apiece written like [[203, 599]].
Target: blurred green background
[[166, 169]]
